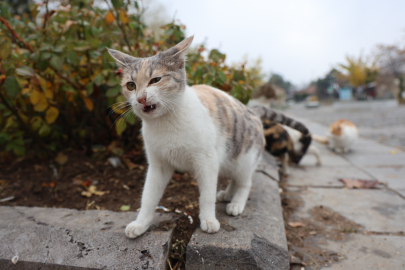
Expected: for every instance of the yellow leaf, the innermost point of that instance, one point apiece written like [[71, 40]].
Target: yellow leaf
[[41, 106], [49, 93], [35, 97], [61, 158], [26, 90], [51, 115], [109, 18], [118, 108], [123, 16], [89, 103], [120, 126]]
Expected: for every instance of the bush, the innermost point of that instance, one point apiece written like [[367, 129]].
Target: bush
[[59, 87]]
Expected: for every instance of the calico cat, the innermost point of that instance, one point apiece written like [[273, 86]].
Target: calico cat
[[341, 135], [287, 144], [198, 129]]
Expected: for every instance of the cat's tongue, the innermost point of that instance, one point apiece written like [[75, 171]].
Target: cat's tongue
[[148, 108]]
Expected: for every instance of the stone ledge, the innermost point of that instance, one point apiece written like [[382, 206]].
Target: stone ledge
[[51, 238], [254, 240]]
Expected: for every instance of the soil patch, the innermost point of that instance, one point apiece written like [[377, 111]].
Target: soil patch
[[305, 235], [93, 183]]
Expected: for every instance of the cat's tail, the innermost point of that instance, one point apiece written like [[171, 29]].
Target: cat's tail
[[270, 114], [320, 139]]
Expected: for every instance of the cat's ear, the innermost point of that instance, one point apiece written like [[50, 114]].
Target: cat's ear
[[180, 50], [121, 58]]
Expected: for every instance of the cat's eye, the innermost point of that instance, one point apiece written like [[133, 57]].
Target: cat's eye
[[154, 80], [131, 86]]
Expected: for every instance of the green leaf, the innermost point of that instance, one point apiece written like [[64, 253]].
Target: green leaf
[[72, 58], [98, 79], [116, 3], [112, 92], [90, 88], [25, 71], [11, 86], [130, 118], [222, 76], [56, 62], [44, 130], [120, 126], [43, 65]]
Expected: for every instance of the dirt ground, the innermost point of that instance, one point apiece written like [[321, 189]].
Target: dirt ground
[[305, 235], [93, 183]]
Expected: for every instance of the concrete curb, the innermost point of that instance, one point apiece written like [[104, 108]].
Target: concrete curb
[[55, 238], [254, 240], [50, 238]]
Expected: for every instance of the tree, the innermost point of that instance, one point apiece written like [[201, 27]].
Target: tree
[[278, 80], [359, 71]]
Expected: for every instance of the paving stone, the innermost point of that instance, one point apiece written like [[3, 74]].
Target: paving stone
[[328, 160], [377, 160], [375, 210], [393, 177], [254, 240], [323, 175], [51, 238], [369, 252]]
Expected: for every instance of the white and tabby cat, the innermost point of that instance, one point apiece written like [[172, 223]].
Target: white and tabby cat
[[341, 135], [199, 129]]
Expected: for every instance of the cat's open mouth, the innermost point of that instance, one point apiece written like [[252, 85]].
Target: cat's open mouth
[[149, 108]]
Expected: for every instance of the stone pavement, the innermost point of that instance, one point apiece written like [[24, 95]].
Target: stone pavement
[[380, 244], [376, 120]]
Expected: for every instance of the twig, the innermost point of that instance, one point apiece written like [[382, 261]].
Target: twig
[[13, 32], [46, 15], [170, 265], [120, 26], [75, 85], [177, 264]]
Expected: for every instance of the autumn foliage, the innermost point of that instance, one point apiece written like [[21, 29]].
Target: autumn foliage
[[60, 89]]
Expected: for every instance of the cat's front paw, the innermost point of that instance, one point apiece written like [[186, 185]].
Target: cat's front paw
[[210, 225], [135, 229], [223, 196], [234, 209]]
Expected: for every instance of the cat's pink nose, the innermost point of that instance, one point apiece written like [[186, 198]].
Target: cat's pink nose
[[142, 100]]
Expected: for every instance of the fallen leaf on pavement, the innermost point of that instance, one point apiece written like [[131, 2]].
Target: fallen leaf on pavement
[[51, 184], [394, 152], [125, 208], [295, 224], [359, 183]]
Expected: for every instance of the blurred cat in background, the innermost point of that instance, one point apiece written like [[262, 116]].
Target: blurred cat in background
[[341, 136]]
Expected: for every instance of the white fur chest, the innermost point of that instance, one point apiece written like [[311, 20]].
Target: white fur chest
[[183, 140]]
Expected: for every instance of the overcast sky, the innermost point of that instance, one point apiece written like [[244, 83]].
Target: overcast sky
[[299, 39]]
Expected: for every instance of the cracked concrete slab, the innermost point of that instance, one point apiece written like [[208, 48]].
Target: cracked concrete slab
[[393, 177], [378, 160], [51, 238], [375, 210], [328, 160], [323, 176], [368, 252], [254, 240]]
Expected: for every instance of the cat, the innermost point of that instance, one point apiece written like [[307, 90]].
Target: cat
[[287, 144], [198, 129], [264, 96], [341, 135]]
